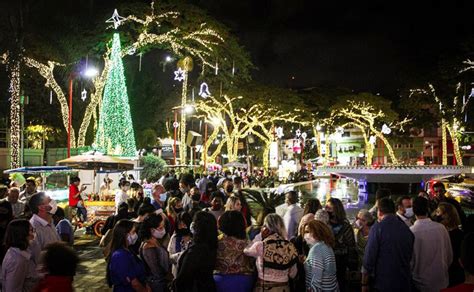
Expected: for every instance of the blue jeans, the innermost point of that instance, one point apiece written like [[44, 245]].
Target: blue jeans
[[81, 211]]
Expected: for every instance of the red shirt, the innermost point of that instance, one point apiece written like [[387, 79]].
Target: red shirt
[[73, 190], [460, 288], [55, 284]]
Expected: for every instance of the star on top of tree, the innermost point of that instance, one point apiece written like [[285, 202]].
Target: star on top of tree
[[179, 74], [116, 19]]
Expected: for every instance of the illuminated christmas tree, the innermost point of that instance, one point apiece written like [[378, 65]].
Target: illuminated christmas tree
[[115, 134]]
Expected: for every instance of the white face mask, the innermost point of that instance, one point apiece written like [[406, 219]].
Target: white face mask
[[409, 212], [125, 188], [131, 239], [157, 233], [54, 207], [309, 239]]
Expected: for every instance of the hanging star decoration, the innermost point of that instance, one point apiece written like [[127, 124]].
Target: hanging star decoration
[[340, 130], [386, 130], [204, 90], [179, 74], [298, 133], [116, 19], [84, 95], [372, 140]]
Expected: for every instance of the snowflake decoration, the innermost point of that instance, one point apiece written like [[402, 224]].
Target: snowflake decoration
[[179, 74], [372, 140], [304, 135], [279, 132], [298, 133], [84, 95], [340, 130], [386, 129], [116, 19], [204, 90]]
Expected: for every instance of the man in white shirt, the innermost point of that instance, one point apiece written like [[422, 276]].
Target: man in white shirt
[[432, 253], [405, 210], [293, 214], [43, 208], [17, 206]]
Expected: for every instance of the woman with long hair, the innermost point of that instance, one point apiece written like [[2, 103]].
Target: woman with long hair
[[312, 206], [447, 215], [18, 267], [180, 239], [175, 206], [233, 271], [153, 253], [276, 256], [345, 248], [233, 204], [320, 265], [196, 264], [125, 271]]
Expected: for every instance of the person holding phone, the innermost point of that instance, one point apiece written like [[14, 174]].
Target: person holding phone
[[75, 198]]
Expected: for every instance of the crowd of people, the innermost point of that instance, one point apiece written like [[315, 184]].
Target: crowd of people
[[199, 234], [36, 251]]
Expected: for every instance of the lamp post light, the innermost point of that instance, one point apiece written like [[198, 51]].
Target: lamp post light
[[168, 59], [90, 72]]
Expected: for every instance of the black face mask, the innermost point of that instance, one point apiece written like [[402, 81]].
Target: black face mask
[[229, 189], [178, 210], [438, 218], [183, 231]]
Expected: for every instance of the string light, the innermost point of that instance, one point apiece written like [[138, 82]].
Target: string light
[[13, 68], [115, 134]]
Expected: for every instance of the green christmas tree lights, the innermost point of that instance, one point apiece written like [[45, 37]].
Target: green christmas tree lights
[[115, 134]]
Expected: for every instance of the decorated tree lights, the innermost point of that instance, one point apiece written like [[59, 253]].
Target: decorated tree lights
[[185, 66], [115, 134]]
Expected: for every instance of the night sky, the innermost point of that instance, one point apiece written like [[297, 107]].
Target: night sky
[[377, 46]]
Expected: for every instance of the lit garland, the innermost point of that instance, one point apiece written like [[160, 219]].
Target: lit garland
[[14, 74], [115, 134], [366, 116], [449, 119], [198, 44], [46, 71]]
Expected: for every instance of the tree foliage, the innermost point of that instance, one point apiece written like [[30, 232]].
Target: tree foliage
[[153, 167]]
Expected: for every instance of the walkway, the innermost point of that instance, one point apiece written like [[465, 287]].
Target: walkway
[[90, 274]]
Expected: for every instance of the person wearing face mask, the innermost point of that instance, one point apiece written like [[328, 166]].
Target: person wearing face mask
[[405, 210], [185, 184], [175, 206], [43, 209], [121, 196], [125, 271], [320, 265], [361, 229], [18, 266], [154, 255], [447, 215], [158, 199], [228, 188], [217, 202], [345, 248]]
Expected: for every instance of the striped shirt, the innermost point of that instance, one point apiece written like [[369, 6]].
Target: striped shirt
[[320, 268]]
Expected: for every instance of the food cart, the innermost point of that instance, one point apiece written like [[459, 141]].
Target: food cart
[[98, 207]]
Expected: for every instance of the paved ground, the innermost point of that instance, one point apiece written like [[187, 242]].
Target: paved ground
[[90, 274]]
